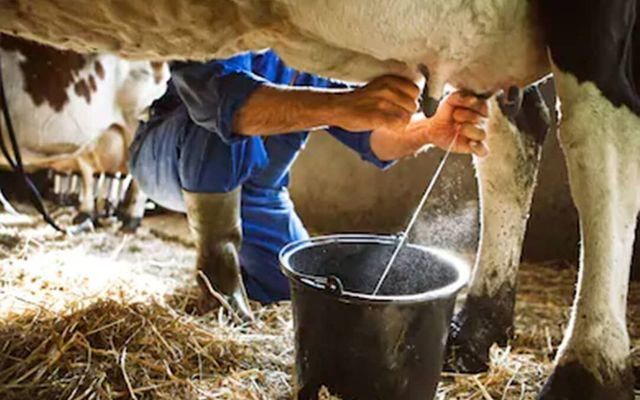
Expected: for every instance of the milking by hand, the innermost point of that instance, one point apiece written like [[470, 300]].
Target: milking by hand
[[221, 142], [386, 106], [460, 116]]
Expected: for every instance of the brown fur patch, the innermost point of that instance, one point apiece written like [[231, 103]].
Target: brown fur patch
[[82, 89], [48, 72], [99, 69], [157, 67]]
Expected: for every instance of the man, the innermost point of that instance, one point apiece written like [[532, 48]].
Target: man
[[220, 143]]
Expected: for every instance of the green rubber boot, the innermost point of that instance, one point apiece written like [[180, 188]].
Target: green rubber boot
[[214, 219]]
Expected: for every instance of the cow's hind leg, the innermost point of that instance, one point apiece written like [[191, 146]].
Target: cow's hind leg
[[601, 143], [506, 181], [133, 208]]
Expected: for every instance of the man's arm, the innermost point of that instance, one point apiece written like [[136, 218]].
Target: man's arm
[[387, 102], [360, 142], [457, 113], [225, 97], [274, 109]]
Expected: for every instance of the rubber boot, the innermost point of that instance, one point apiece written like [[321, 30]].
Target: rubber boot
[[214, 219]]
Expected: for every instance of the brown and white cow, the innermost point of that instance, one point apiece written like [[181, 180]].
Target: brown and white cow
[[479, 45], [78, 113]]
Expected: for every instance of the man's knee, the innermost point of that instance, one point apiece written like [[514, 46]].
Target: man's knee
[[152, 160]]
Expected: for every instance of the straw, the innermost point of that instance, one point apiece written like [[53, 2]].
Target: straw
[[59, 342]]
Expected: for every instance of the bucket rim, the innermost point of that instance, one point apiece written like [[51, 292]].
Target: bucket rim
[[450, 290]]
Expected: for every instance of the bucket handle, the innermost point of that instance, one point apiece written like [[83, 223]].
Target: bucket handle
[[331, 284]]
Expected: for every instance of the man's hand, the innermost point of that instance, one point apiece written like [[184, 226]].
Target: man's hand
[[386, 102], [462, 114]]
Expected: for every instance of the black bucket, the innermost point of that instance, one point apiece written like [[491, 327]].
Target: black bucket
[[363, 347]]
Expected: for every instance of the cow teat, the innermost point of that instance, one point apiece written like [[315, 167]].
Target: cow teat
[[428, 104], [510, 102]]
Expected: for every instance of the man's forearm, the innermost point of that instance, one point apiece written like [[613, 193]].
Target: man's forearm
[[274, 110], [387, 101], [390, 145]]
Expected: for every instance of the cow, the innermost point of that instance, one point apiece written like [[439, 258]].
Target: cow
[[483, 46], [78, 113]]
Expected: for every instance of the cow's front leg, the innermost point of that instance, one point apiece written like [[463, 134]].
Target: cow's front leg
[[133, 208], [87, 197], [601, 144], [506, 181]]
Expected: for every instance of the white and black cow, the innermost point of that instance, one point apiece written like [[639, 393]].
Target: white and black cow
[[590, 46], [78, 113]]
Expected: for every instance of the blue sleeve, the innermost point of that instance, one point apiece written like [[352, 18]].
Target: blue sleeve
[[321, 82], [361, 143], [213, 92]]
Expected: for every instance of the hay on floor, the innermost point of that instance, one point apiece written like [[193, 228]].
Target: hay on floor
[[113, 350], [88, 318]]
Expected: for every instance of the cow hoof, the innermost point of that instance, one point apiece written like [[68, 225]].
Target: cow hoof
[[130, 224], [482, 322], [572, 381], [466, 356], [82, 223], [82, 217]]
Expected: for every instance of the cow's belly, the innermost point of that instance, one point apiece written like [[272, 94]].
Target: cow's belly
[[52, 133], [481, 45]]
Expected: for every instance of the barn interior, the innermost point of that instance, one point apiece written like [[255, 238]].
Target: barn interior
[[105, 314]]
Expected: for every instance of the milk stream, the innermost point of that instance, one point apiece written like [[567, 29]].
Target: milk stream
[[402, 237]]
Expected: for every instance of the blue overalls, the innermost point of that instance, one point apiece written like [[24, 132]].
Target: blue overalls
[[188, 144]]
